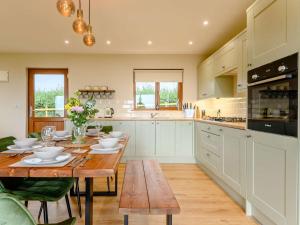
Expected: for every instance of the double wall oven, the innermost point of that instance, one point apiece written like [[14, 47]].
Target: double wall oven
[[273, 97]]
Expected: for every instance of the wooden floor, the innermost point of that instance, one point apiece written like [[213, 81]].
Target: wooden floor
[[202, 202]]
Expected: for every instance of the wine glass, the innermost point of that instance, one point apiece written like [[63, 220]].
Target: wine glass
[[98, 128], [47, 134]]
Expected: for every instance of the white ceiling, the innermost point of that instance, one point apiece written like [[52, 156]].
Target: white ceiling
[[36, 26]]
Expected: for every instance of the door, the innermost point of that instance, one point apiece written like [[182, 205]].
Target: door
[[145, 138], [272, 30], [128, 127], [184, 138], [47, 95], [206, 81], [234, 159], [272, 174], [165, 138]]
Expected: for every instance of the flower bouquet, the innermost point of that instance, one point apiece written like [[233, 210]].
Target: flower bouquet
[[80, 113]]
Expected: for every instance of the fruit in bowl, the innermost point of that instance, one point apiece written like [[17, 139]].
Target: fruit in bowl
[[109, 142], [26, 142], [48, 153], [116, 134], [62, 133]]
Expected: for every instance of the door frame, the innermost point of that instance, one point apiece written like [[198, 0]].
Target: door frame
[[30, 93]]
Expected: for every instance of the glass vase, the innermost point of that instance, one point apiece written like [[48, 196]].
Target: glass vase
[[78, 134]]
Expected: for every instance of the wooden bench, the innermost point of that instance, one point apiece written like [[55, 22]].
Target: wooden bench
[[146, 191]]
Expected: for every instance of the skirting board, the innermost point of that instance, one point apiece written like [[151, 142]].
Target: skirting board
[[189, 160]]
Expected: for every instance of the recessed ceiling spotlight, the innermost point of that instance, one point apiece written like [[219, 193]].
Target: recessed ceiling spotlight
[[191, 43], [149, 42], [108, 42], [205, 22], [67, 42]]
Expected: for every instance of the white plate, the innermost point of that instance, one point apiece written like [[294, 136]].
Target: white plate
[[99, 147], [16, 148], [55, 138], [33, 160]]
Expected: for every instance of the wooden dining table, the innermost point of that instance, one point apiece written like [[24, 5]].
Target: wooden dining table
[[97, 165]]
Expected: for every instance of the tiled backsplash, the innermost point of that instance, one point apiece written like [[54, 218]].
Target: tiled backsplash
[[230, 107]]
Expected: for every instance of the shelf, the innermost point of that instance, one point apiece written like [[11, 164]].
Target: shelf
[[100, 93], [96, 91]]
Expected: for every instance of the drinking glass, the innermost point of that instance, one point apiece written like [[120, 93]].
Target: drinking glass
[[98, 128], [47, 134]]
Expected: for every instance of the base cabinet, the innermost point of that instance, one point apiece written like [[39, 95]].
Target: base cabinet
[[145, 138], [272, 179], [165, 138], [233, 150], [184, 139]]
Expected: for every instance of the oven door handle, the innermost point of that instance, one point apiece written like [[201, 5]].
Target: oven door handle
[[281, 77]]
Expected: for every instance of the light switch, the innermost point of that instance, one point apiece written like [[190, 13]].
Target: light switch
[[4, 76]]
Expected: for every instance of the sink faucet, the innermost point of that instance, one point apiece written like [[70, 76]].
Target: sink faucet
[[153, 115]]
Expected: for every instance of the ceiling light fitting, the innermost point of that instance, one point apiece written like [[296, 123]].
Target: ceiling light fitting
[[89, 38], [79, 25], [65, 7]]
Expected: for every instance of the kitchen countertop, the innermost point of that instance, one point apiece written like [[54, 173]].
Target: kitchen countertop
[[235, 125]]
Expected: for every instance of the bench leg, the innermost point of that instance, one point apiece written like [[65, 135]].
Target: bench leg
[[169, 219], [125, 219]]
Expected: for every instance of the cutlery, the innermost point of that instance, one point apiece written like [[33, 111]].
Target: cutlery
[[84, 161], [17, 154]]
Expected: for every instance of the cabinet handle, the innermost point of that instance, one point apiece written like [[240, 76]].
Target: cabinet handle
[[248, 136], [223, 67], [208, 128], [239, 85], [220, 129], [208, 136], [207, 154]]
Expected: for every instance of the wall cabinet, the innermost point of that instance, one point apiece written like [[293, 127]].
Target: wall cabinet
[[273, 30], [165, 138], [233, 151], [272, 165], [226, 59], [184, 138], [206, 79], [145, 138], [242, 63]]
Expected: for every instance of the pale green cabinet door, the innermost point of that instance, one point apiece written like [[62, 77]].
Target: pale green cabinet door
[[184, 138], [197, 141], [233, 151], [145, 138], [165, 138], [128, 128]]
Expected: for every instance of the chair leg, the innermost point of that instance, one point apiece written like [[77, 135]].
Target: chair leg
[[45, 209], [169, 219], [108, 184], [78, 197], [26, 204], [125, 219], [41, 210], [68, 205]]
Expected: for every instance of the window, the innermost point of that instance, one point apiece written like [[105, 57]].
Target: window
[[158, 89]]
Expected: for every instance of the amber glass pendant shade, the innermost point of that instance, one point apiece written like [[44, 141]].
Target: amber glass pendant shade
[[65, 7], [79, 25], [89, 38]]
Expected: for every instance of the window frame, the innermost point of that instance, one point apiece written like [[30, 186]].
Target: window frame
[[157, 98]]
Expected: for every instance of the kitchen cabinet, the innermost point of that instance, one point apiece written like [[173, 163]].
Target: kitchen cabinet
[[165, 138], [233, 151], [145, 138], [210, 86], [272, 176], [184, 138], [273, 30], [197, 141], [242, 63], [226, 59], [128, 128], [206, 79]]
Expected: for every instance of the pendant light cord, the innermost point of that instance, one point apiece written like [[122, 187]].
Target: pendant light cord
[[79, 4], [89, 11]]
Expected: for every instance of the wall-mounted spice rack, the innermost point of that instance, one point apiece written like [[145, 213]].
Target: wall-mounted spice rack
[[101, 94]]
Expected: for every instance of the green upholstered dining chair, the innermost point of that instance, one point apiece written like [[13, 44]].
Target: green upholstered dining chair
[[13, 212], [36, 189]]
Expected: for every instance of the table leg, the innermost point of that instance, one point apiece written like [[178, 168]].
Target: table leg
[[169, 219], [89, 201]]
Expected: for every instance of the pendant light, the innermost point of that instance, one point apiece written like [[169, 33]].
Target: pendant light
[[79, 25], [89, 38], [65, 7]]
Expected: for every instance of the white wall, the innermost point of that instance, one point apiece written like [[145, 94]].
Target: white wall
[[116, 71]]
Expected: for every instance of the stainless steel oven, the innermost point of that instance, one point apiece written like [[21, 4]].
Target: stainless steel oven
[[273, 97]]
